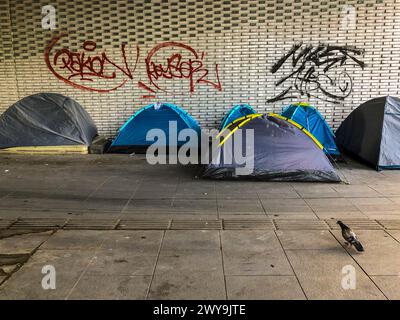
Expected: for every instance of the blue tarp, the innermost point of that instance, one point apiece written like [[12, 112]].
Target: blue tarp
[[310, 118], [133, 133], [235, 113]]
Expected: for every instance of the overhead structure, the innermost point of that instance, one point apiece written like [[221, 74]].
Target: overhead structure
[[372, 133], [167, 118], [236, 112], [280, 151], [311, 119], [46, 123]]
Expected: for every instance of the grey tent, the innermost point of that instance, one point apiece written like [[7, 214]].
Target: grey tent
[[282, 152], [371, 133], [46, 119]]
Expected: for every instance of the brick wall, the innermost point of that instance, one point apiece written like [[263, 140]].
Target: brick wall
[[243, 37]]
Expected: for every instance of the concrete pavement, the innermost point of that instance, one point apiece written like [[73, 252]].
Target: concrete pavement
[[114, 227]]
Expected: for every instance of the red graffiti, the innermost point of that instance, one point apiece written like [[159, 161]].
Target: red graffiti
[[86, 70], [177, 67]]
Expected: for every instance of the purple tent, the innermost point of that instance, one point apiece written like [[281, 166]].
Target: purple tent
[[282, 152]]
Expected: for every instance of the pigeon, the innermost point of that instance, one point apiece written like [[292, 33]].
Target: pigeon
[[350, 236]]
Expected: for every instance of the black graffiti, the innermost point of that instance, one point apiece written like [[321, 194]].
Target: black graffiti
[[318, 72]]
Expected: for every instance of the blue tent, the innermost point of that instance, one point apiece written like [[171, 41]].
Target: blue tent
[[310, 118], [132, 135], [236, 112]]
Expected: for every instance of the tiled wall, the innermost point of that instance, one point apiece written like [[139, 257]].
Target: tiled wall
[[243, 37]]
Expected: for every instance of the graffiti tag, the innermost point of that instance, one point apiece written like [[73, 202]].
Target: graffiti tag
[[87, 69], [83, 69], [177, 67], [316, 72]]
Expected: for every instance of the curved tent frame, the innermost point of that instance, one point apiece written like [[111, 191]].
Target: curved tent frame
[[121, 143], [297, 157], [235, 125], [301, 113], [235, 113]]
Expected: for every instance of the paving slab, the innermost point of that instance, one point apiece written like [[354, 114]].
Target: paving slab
[[371, 201], [307, 239], [75, 239], [395, 234], [320, 275], [395, 199], [57, 213], [390, 286], [191, 240], [341, 215], [315, 191], [238, 216], [248, 206], [350, 191], [195, 205], [236, 195], [23, 244], [169, 215], [286, 206], [129, 253], [195, 190], [231, 190], [148, 205], [263, 288], [383, 215], [381, 255], [189, 266], [188, 286], [190, 250], [253, 253], [105, 204], [388, 189], [183, 261], [110, 287], [49, 204], [331, 205], [26, 283], [121, 262], [270, 190], [133, 241], [291, 216]]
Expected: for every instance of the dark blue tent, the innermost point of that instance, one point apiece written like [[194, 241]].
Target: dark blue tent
[[371, 133], [235, 113], [46, 119], [132, 135], [282, 152], [310, 118]]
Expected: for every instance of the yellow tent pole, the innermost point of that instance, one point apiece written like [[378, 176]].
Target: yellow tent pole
[[302, 104], [251, 116], [308, 133], [238, 126]]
